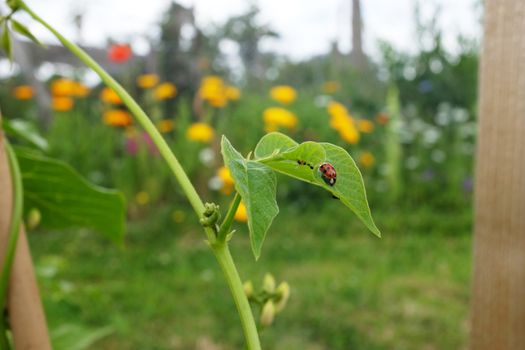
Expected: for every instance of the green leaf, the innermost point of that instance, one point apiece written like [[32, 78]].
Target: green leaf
[[349, 187], [22, 29], [288, 162], [256, 184], [6, 42], [281, 154], [26, 131], [65, 199], [76, 337], [273, 143]]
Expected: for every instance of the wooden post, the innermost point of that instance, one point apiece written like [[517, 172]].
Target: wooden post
[[498, 299], [26, 315]]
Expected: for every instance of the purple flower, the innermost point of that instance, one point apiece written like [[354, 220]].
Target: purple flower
[[149, 142], [132, 145], [428, 175], [468, 184]]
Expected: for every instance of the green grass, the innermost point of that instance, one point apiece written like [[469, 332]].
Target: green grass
[[350, 290]]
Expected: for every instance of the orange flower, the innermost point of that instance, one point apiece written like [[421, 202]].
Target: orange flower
[[232, 93], [62, 87], [365, 126], [62, 103], [241, 214], [382, 118], [108, 95], [117, 117], [165, 91], [165, 125], [147, 81], [23, 92], [367, 159], [119, 53], [331, 87], [283, 93], [80, 90], [66, 87]]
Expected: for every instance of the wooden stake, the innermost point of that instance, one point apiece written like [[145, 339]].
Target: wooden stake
[[498, 302], [26, 315]]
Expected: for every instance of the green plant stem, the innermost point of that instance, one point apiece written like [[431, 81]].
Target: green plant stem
[[14, 230], [228, 220], [221, 250], [225, 259], [138, 112]]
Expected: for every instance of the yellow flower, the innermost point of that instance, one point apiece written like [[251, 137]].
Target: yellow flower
[[283, 93], [341, 121], [241, 214], [165, 125], [224, 174], [331, 87], [349, 133], [232, 93], [227, 181], [147, 81], [110, 96], [178, 216], [275, 117], [23, 92], [200, 132], [218, 101], [165, 91], [62, 104], [117, 117], [365, 126], [213, 91], [367, 159], [336, 108], [142, 198]]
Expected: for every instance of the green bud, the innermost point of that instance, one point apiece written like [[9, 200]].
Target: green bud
[[269, 283], [282, 294], [248, 289], [267, 314], [13, 4], [211, 215], [33, 219]]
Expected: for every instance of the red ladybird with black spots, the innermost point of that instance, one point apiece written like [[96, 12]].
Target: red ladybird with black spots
[[328, 173]]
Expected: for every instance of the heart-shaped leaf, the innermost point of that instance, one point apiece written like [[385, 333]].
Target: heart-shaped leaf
[[302, 162], [256, 183], [65, 199]]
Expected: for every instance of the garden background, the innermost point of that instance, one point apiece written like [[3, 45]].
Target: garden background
[[408, 117]]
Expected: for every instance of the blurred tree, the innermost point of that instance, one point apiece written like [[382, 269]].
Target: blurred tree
[[433, 75], [248, 33]]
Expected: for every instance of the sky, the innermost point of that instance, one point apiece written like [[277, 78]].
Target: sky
[[307, 27]]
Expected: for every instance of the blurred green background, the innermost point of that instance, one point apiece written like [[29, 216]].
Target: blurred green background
[[408, 117]]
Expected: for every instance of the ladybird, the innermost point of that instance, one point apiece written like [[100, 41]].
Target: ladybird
[[328, 173]]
